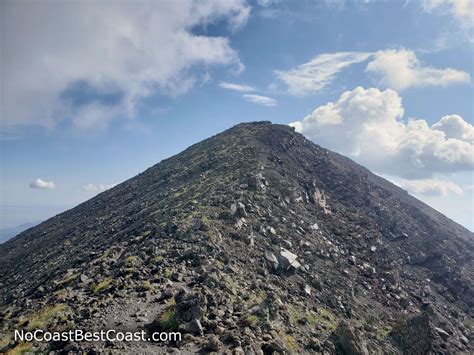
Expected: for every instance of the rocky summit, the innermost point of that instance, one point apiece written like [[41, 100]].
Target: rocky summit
[[253, 241]]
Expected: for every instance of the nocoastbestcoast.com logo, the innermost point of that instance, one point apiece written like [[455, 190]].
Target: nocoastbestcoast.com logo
[[79, 335]]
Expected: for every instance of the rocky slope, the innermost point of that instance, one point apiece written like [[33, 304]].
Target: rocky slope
[[254, 240]]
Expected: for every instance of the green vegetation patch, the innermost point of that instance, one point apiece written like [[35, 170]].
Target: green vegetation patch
[[147, 285], [158, 259], [251, 319], [327, 318], [131, 261], [382, 332], [22, 348], [255, 299], [42, 318], [101, 286], [168, 320], [68, 279]]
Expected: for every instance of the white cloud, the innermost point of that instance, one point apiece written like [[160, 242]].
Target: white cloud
[[398, 69], [454, 126], [401, 69], [368, 125], [97, 188], [463, 10], [236, 87], [266, 3], [257, 99], [260, 100], [432, 187], [132, 53], [319, 72], [42, 184]]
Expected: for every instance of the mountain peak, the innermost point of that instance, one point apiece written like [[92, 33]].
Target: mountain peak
[[253, 239]]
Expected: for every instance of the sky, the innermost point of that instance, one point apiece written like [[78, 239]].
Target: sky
[[93, 93]]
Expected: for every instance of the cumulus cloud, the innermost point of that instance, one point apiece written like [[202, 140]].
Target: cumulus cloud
[[368, 125], [236, 87], [454, 126], [398, 69], [319, 72], [42, 184], [433, 187], [463, 10], [260, 100], [97, 188], [401, 69], [130, 54]]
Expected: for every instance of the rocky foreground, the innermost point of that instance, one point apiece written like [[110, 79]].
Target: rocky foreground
[[255, 240]]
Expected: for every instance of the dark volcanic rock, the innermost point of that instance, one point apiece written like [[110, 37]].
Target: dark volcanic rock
[[347, 341], [254, 240]]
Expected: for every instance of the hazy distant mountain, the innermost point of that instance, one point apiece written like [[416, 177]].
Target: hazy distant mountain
[[254, 240], [10, 232]]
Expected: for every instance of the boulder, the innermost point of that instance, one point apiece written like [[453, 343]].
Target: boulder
[[414, 336], [347, 341], [288, 260], [189, 306]]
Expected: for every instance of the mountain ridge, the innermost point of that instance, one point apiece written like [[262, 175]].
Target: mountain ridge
[[238, 206]]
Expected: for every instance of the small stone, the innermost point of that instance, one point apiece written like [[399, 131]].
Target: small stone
[[271, 258], [427, 290], [241, 212], [233, 209], [314, 344], [442, 333]]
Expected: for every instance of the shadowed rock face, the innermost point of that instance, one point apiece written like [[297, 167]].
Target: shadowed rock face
[[254, 239]]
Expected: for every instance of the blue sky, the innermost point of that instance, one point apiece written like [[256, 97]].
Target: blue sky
[[90, 100]]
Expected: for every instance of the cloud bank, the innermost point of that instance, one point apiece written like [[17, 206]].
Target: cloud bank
[[431, 187], [398, 69], [401, 69], [122, 58], [42, 184], [368, 125]]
